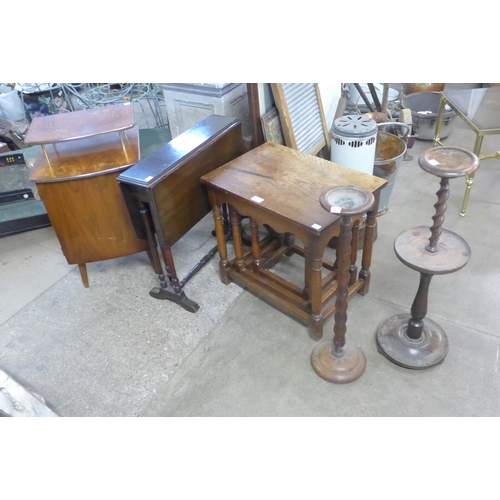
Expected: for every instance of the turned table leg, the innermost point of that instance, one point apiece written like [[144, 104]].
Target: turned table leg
[[366, 259], [256, 250], [221, 244], [353, 269], [314, 289], [237, 241], [153, 249]]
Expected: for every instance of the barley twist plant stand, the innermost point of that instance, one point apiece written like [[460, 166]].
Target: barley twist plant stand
[[412, 340], [341, 362]]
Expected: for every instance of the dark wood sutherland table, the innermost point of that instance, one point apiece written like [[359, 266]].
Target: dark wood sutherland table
[[165, 198], [280, 187]]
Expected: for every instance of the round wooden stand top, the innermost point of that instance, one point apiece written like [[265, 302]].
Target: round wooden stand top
[[448, 162], [452, 253], [346, 200]]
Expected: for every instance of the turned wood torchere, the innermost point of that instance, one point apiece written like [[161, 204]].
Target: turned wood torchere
[[82, 154], [280, 187], [412, 340], [340, 361], [165, 198]]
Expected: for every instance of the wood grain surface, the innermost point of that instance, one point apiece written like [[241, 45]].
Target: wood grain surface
[[289, 182], [80, 124], [90, 218], [86, 157]]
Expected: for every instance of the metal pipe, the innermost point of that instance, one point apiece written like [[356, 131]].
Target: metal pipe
[[340, 108], [373, 92], [363, 96]]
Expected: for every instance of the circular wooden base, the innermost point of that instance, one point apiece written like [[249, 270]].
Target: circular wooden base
[[429, 350], [339, 370]]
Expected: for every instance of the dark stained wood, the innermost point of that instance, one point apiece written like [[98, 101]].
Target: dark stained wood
[[343, 361], [254, 231], [419, 308], [152, 253], [80, 124], [370, 232], [344, 250], [168, 183], [414, 341], [255, 121], [281, 187], [169, 179], [353, 271], [443, 194]]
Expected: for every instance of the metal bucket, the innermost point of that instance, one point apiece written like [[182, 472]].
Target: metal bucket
[[389, 155]]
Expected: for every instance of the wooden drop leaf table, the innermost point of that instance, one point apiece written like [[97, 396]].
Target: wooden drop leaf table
[[165, 197]]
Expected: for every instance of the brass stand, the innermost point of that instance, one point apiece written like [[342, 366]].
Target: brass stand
[[412, 340], [341, 362]]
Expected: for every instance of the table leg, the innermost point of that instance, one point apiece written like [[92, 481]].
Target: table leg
[[439, 121], [353, 270], [221, 244], [307, 275], [370, 227], [256, 251], [153, 249], [315, 263], [84, 275], [177, 296], [237, 242], [289, 242], [469, 179]]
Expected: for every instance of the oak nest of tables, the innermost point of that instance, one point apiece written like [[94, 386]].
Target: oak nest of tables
[[280, 187]]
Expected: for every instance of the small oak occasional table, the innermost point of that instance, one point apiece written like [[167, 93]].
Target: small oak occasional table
[[480, 110], [280, 187], [82, 154], [412, 340]]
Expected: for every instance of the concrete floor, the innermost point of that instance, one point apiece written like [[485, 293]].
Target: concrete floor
[[112, 350]]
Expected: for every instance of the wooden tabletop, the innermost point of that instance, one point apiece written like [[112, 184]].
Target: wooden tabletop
[[86, 158], [288, 182], [80, 124]]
